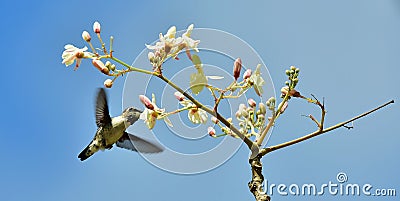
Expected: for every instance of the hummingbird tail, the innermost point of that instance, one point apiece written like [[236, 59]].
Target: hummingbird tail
[[83, 156], [88, 151]]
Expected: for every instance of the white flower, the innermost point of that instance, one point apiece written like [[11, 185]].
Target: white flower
[[72, 53], [257, 80], [188, 31], [170, 46], [152, 112], [149, 117], [171, 32], [197, 116], [190, 43]]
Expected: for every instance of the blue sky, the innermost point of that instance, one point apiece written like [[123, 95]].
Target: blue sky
[[348, 52]]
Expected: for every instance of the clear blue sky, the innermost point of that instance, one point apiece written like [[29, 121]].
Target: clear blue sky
[[348, 52]]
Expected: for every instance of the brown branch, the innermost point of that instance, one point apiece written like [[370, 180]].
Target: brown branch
[[313, 119], [319, 132], [250, 144], [255, 185], [323, 112]]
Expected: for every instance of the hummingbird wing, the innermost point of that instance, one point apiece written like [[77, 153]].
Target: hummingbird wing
[[135, 143], [102, 114]]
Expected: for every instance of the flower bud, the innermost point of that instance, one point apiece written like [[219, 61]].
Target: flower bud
[[179, 96], [108, 83], [112, 67], [287, 72], [146, 102], [284, 90], [292, 92], [96, 27], [108, 64], [151, 56], [262, 108], [251, 102], [211, 131], [86, 36], [284, 106], [293, 68], [295, 93], [247, 74], [237, 66], [271, 101], [214, 120], [238, 114], [100, 65]]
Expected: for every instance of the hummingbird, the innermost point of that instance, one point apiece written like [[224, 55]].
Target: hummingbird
[[112, 131]]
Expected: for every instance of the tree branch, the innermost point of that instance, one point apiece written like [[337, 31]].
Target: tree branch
[[319, 132], [256, 184], [252, 146]]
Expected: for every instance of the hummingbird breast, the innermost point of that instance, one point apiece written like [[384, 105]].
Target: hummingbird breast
[[115, 131]]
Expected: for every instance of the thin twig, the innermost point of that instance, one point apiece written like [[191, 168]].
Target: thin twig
[[316, 133], [314, 120]]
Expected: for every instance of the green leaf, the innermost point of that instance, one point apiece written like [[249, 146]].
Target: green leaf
[[197, 63], [197, 82], [258, 81]]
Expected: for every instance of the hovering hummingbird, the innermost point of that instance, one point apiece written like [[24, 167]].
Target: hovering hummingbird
[[112, 130]]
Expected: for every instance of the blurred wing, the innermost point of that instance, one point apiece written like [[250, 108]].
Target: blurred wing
[[102, 114], [134, 143]]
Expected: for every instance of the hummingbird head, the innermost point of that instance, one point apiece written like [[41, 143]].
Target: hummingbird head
[[131, 114]]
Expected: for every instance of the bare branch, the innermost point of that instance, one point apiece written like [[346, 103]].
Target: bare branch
[[313, 119], [319, 132]]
